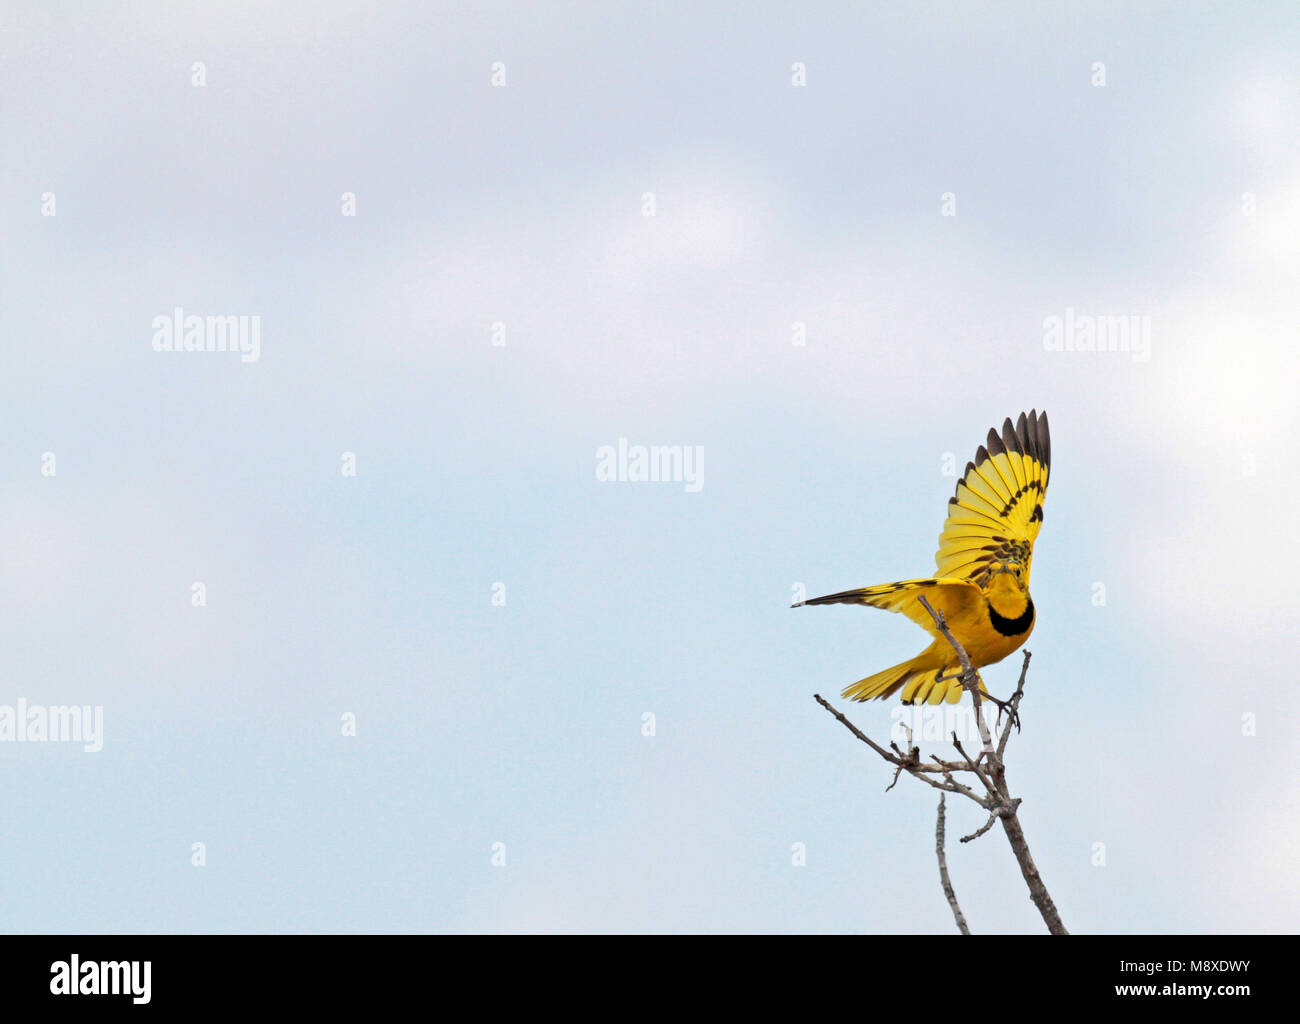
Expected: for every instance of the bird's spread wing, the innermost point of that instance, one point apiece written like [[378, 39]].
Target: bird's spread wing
[[949, 596], [998, 509]]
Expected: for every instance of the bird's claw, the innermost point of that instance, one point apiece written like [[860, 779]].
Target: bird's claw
[[1004, 706]]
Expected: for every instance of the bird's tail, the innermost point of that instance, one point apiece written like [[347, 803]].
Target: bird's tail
[[882, 684], [921, 680]]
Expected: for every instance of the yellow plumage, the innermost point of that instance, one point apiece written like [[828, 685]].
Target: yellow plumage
[[982, 582]]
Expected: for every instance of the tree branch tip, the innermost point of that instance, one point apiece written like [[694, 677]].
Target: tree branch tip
[[988, 767]]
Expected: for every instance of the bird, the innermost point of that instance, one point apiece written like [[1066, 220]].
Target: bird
[[981, 586]]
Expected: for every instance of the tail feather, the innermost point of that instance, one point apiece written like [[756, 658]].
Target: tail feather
[[919, 679], [882, 684], [933, 687]]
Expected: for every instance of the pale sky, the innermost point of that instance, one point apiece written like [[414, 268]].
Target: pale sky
[[1171, 192]]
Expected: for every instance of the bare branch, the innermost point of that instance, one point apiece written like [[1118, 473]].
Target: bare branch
[[974, 765], [1037, 890], [909, 762], [988, 767], [943, 873], [1014, 717], [982, 829]]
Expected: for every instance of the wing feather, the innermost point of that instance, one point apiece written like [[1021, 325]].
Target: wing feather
[[990, 475], [997, 459], [997, 510], [949, 595]]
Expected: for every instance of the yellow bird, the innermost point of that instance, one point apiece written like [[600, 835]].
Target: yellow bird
[[982, 582]]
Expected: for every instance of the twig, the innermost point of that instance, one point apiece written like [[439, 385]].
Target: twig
[[982, 829], [943, 872], [909, 763], [1015, 706], [972, 765]]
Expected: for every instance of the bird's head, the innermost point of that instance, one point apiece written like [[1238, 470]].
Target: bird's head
[[1007, 589]]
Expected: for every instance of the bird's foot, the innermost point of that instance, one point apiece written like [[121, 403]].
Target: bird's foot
[[1003, 706]]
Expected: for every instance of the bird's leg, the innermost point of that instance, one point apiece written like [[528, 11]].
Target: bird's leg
[[1003, 705]]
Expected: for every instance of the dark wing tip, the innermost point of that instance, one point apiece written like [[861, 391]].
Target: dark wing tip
[[1031, 434], [1022, 435], [996, 447], [1009, 437], [1045, 439], [981, 455]]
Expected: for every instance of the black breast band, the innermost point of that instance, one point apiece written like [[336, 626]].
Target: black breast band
[[1016, 626]]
